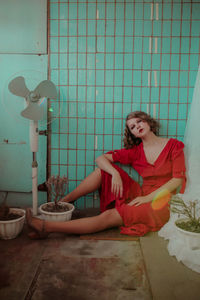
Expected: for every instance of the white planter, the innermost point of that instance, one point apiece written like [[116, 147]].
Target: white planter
[[57, 216], [11, 229], [191, 239]]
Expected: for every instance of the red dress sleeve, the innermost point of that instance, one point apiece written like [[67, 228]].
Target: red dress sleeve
[[178, 163], [123, 156]]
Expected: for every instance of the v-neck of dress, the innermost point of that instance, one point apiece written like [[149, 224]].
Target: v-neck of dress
[[153, 164]]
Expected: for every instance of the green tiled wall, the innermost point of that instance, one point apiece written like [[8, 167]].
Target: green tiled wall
[[112, 57]]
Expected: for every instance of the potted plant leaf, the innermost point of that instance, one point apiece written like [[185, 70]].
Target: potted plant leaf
[[11, 221], [55, 210], [188, 225]]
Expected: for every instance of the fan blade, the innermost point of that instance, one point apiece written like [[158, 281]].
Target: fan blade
[[33, 112], [18, 87], [47, 89]]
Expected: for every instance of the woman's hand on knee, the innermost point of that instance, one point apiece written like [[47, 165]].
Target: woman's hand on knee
[[139, 200]]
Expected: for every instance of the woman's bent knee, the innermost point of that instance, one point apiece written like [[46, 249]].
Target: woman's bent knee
[[111, 218]]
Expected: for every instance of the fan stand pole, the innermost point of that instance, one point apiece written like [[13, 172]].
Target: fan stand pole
[[34, 149], [35, 184], [33, 112]]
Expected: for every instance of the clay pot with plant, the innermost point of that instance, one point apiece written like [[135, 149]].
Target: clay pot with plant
[[11, 221], [55, 210]]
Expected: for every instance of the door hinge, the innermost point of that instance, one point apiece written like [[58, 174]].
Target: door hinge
[[43, 132]]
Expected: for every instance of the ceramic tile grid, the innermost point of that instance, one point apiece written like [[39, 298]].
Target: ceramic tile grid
[[108, 58]]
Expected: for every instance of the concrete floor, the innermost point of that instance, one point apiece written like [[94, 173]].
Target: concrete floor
[[71, 268]]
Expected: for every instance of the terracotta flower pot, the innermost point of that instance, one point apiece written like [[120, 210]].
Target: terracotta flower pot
[[12, 228], [57, 216]]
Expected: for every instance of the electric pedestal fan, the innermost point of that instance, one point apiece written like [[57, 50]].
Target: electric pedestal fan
[[34, 112]]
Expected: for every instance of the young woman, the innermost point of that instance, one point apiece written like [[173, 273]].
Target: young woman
[[159, 161]]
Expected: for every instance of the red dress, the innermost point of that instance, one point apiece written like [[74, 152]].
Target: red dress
[[138, 220]]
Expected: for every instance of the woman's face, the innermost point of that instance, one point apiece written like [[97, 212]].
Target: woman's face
[[138, 127]]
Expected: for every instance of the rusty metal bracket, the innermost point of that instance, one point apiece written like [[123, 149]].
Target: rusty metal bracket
[[43, 132]]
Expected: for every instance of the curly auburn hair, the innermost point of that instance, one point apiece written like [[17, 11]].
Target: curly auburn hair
[[129, 139]]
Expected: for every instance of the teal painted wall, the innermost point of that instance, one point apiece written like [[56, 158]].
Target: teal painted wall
[[23, 25], [15, 152], [23, 36], [112, 57]]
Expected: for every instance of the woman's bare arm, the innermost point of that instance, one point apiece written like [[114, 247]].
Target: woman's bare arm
[[170, 185], [104, 162]]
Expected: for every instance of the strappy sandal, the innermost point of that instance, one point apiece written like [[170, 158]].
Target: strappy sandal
[[35, 234]]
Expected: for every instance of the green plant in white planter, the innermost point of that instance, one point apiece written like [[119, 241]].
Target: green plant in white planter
[[190, 211], [55, 210]]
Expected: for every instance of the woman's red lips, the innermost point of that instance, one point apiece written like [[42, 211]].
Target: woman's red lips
[[140, 130]]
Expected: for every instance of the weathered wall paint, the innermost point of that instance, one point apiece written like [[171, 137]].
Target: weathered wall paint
[[23, 35]]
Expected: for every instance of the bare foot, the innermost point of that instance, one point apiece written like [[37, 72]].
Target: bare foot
[[66, 200]]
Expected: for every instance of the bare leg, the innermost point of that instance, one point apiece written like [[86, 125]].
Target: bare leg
[[107, 219], [90, 184]]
